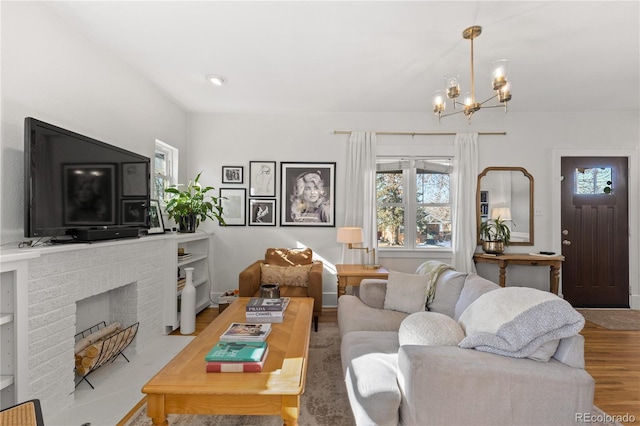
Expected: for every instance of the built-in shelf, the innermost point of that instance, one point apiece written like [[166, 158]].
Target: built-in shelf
[[6, 381], [197, 244], [6, 318]]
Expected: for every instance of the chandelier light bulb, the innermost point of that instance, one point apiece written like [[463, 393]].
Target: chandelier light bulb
[[500, 73], [452, 85], [438, 102]]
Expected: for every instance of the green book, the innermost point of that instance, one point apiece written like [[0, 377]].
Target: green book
[[236, 352]]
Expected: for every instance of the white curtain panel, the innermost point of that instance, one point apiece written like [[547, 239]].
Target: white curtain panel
[[464, 183], [360, 209]]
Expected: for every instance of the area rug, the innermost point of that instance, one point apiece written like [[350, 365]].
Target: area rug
[[613, 319], [324, 402]]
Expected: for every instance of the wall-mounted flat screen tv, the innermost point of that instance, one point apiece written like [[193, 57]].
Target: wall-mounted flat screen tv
[[76, 185]]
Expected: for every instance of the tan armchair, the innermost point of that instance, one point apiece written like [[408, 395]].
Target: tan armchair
[[303, 281]]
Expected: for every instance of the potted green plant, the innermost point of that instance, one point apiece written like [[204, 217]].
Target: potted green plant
[[495, 235], [192, 205]]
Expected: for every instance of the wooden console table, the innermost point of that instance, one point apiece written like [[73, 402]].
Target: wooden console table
[[353, 274], [503, 260]]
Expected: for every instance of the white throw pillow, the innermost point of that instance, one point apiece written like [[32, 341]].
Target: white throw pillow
[[406, 292], [430, 329]]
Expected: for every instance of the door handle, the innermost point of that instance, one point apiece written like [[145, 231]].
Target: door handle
[[566, 242]]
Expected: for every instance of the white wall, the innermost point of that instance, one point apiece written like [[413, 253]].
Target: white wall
[[236, 139], [53, 73]]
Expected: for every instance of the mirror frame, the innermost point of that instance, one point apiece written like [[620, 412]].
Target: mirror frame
[[506, 169]]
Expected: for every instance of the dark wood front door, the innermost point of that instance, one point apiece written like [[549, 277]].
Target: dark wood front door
[[595, 231]]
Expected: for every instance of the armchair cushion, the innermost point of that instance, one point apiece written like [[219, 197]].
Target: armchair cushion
[[294, 276], [288, 257]]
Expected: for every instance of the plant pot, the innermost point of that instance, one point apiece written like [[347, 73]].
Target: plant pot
[[188, 223], [493, 247]]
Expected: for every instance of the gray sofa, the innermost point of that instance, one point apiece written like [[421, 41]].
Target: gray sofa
[[418, 384]]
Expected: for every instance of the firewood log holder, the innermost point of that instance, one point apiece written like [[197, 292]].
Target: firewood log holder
[[111, 347]]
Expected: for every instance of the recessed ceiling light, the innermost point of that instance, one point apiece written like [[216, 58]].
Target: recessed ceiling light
[[216, 80]]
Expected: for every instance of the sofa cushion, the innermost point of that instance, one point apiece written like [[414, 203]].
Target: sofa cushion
[[517, 321], [447, 292], [406, 292], [369, 363], [432, 269], [354, 315], [430, 329], [474, 287], [288, 257], [293, 276]]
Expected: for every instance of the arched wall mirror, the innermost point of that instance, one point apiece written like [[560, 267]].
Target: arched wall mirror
[[507, 192]]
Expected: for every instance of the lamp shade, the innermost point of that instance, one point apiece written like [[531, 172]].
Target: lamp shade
[[350, 235], [504, 213]]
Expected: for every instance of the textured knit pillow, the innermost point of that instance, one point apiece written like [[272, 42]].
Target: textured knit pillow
[[293, 276], [430, 329], [406, 292]]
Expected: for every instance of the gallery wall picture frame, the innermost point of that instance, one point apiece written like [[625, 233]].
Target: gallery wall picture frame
[[233, 202], [134, 212], [262, 212], [89, 192], [307, 194], [156, 222], [262, 178], [232, 174], [135, 179]]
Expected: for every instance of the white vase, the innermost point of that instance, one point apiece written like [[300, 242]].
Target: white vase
[[188, 305]]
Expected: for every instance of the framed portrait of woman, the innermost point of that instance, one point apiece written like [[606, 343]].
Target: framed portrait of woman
[[308, 194]]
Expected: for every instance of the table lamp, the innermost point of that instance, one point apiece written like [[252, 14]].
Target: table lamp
[[353, 235]]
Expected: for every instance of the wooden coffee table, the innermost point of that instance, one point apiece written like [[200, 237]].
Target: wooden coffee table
[[184, 387]]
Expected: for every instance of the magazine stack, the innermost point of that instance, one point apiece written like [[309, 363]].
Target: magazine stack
[[262, 310]]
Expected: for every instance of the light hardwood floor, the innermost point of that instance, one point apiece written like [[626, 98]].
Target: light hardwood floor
[[612, 358]]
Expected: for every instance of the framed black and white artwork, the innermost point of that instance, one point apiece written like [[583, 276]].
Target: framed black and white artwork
[[262, 178], [134, 212], [307, 194], [262, 212], [233, 202], [232, 174], [156, 224]]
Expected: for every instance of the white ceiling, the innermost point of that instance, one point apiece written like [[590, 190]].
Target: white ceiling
[[370, 56]]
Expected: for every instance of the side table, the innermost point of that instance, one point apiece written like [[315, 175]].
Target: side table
[[503, 260], [352, 275]]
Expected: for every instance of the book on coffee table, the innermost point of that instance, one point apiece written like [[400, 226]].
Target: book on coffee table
[[237, 351], [237, 366], [261, 304], [246, 332]]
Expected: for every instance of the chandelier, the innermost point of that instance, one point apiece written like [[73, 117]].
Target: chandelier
[[469, 103]]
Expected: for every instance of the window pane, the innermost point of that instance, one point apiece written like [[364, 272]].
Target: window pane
[[593, 181], [431, 188], [433, 227], [390, 227], [158, 187], [389, 187]]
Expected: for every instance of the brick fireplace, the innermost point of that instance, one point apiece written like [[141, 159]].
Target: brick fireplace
[[130, 276]]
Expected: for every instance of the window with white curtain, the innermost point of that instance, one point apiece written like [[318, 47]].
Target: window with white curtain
[[165, 166], [413, 202]]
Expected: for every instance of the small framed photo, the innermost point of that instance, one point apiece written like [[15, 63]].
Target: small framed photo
[[308, 194], [233, 202], [155, 218], [262, 178], [134, 212], [135, 179], [232, 174], [262, 211]]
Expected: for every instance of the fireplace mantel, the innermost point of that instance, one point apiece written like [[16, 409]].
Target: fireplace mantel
[[58, 276]]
